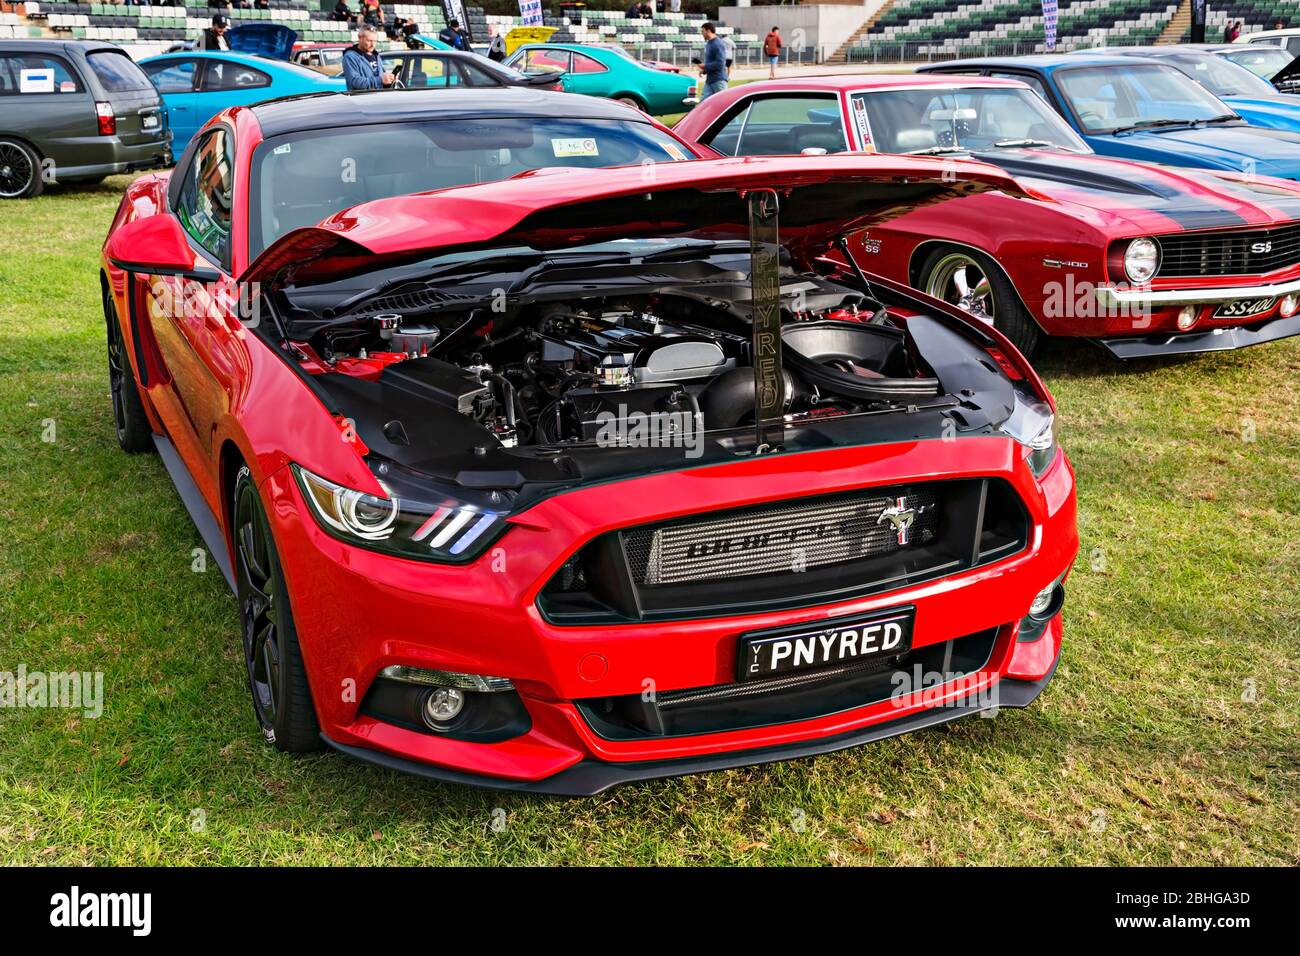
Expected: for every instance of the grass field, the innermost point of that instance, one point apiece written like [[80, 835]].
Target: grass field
[[1170, 734]]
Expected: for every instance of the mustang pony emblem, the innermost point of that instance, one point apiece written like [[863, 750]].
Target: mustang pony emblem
[[901, 517]]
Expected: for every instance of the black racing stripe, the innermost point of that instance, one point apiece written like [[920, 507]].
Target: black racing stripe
[[1189, 211]]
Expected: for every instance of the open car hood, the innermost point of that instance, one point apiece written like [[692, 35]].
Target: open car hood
[[271, 40], [1289, 72], [820, 199]]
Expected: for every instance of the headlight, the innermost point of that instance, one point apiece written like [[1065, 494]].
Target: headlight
[[417, 519], [1141, 259], [1033, 425]]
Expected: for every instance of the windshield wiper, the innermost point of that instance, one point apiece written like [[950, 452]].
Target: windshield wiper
[[1017, 143], [1225, 118], [937, 150], [1153, 124]]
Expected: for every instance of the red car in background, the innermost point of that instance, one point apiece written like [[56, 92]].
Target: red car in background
[[1145, 260], [581, 476]]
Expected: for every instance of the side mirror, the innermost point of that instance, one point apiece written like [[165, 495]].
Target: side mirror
[[156, 245]]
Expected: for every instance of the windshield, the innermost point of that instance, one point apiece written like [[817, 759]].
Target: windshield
[[301, 178], [1222, 77], [922, 120], [1110, 98], [1264, 62]]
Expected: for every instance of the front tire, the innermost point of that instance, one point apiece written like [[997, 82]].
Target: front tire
[[277, 678], [20, 170], [134, 433], [631, 101], [974, 283]]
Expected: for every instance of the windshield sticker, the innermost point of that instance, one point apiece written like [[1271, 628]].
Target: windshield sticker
[[36, 81], [286, 147], [564, 148], [67, 86], [864, 127], [673, 150]]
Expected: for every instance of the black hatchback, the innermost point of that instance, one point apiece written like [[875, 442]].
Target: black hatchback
[[74, 112]]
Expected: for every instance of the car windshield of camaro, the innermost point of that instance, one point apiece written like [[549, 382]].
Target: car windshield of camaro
[[1108, 98], [1223, 77], [1263, 62], [301, 178], [923, 120]]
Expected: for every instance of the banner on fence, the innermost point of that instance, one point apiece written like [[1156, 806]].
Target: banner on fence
[[1049, 23]]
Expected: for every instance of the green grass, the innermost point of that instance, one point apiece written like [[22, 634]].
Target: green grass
[[1141, 751]]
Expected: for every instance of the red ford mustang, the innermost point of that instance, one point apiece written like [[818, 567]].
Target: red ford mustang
[[586, 475], [1143, 259]]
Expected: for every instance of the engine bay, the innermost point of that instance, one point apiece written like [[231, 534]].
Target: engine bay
[[550, 371]]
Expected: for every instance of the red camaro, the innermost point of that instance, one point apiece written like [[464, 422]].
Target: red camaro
[[1146, 260], [581, 476]]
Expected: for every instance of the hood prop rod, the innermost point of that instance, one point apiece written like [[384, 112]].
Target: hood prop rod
[[765, 320]]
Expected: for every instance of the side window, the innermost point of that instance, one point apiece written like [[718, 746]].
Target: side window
[[585, 64], [727, 138], [23, 74], [173, 76], [784, 125], [547, 61], [228, 75], [1035, 83], [1293, 45], [207, 195], [478, 78]]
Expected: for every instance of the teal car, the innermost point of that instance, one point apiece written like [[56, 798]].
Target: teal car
[[602, 72]]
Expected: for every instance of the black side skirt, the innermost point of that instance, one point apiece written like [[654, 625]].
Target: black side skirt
[[196, 505]]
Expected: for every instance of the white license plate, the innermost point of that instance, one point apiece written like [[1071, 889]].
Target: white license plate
[[149, 121]]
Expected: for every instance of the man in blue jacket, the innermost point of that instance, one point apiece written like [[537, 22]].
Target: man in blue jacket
[[362, 67], [714, 67], [453, 35]]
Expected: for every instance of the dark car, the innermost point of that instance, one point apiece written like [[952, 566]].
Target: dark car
[[74, 112], [432, 69]]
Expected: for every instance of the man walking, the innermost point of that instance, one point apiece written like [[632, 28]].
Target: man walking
[[714, 67], [362, 67], [772, 50]]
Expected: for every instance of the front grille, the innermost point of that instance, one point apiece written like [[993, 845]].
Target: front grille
[[777, 539], [816, 693], [793, 553], [1241, 252]]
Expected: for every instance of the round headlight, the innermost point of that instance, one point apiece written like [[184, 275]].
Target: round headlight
[[1141, 259]]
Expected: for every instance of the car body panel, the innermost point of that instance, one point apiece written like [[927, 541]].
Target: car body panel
[[1059, 245]]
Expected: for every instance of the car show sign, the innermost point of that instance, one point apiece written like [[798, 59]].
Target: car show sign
[[530, 13]]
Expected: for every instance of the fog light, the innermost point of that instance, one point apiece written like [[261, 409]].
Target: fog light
[[443, 705], [1043, 601], [1288, 306], [1187, 317]]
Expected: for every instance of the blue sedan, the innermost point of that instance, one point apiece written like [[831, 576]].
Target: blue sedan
[[196, 85], [1145, 110], [1254, 99]]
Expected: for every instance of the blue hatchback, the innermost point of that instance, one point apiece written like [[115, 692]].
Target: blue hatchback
[[1141, 109], [196, 85]]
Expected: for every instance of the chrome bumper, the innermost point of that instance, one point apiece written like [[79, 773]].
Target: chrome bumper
[[1109, 295]]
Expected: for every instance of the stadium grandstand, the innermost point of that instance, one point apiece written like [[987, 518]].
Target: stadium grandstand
[[888, 31]]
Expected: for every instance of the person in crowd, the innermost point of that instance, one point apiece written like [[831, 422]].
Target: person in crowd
[[714, 67], [1279, 24], [646, 12], [675, 6], [372, 12], [729, 50], [343, 13], [262, 4], [453, 35], [363, 68], [772, 50], [214, 37], [410, 29], [1236, 31], [633, 11], [496, 45]]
